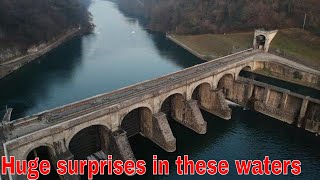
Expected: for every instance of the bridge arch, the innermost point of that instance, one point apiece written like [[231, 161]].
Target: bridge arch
[[49, 147], [146, 104], [246, 68], [44, 152], [163, 96], [261, 41], [193, 86], [135, 120], [201, 91], [263, 38], [173, 105], [226, 84], [89, 140], [218, 77], [243, 69], [76, 129]]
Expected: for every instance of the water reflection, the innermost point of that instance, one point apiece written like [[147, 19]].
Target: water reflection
[[119, 53], [33, 83], [248, 135], [174, 53]]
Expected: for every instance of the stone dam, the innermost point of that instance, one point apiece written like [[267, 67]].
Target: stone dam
[[103, 124]]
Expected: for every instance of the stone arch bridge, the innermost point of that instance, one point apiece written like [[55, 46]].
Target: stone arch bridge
[[103, 123]]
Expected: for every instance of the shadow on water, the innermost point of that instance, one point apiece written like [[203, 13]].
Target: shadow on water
[[43, 72], [266, 136], [173, 52], [248, 135], [130, 17], [165, 47], [188, 142], [54, 79]]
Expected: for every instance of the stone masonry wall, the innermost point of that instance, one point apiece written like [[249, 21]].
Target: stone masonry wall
[[288, 73]]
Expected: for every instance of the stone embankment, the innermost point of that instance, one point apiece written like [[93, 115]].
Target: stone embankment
[[173, 39], [10, 66]]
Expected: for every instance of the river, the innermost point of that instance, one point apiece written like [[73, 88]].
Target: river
[[122, 52]]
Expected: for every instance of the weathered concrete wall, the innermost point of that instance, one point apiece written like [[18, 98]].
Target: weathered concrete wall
[[193, 117], [162, 134], [276, 102], [10, 66], [310, 116], [288, 73], [258, 93], [188, 114], [120, 147], [214, 102]]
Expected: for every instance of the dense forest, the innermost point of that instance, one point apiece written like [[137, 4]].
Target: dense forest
[[219, 16], [24, 23]]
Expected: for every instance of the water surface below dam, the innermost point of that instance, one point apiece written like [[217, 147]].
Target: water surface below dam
[[122, 52]]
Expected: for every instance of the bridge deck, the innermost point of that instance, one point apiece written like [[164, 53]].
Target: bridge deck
[[49, 118]]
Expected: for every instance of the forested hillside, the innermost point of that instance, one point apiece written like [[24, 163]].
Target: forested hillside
[[30, 22], [219, 16]]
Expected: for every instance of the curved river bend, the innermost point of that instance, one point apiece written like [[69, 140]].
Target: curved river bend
[[121, 52]]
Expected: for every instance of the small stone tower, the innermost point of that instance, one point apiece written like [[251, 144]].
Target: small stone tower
[[263, 38]]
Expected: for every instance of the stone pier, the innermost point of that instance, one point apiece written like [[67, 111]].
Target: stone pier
[[160, 132], [188, 114], [215, 103], [120, 147]]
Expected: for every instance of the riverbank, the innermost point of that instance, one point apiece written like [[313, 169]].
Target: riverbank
[[173, 38], [13, 65], [211, 47], [295, 44], [283, 77]]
